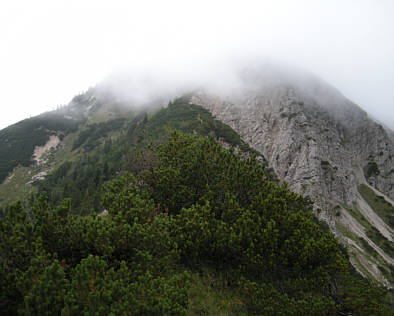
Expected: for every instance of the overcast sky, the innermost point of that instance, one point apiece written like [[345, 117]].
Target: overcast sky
[[51, 50]]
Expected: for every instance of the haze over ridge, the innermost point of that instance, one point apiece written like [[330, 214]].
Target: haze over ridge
[[54, 50]]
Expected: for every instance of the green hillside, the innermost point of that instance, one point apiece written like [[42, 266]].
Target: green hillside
[[17, 142], [190, 228], [94, 149], [199, 208], [383, 208], [112, 147]]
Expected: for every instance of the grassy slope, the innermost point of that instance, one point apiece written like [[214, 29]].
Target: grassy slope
[[381, 207], [386, 211], [17, 142], [209, 295], [369, 253], [19, 185], [190, 118], [123, 129]]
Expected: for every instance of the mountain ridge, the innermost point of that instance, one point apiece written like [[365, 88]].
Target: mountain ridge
[[316, 140]]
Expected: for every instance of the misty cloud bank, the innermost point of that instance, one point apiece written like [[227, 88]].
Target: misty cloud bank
[[142, 85], [54, 49], [231, 80]]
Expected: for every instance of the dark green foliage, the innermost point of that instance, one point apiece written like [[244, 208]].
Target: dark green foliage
[[378, 203], [368, 248], [196, 205], [105, 157], [45, 286], [252, 228], [391, 220], [97, 289], [325, 164], [16, 238], [93, 133], [210, 294], [328, 170], [371, 170], [82, 180], [381, 241], [359, 297], [53, 261], [191, 170], [288, 115], [17, 142], [191, 118], [246, 226], [267, 299]]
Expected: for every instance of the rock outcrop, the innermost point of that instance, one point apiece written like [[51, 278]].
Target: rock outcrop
[[315, 139]]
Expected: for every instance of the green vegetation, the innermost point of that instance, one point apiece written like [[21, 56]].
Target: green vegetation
[[289, 116], [388, 272], [325, 165], [371, 170], [93, 133], [381, 241], [103, 155], [375, 236], [355, 212], [378, 203], [368, 248], [191, 118], [202, 230], [211, 294], [53, 262], [17, 142], [359, 265], [15, 188], [329, 171]]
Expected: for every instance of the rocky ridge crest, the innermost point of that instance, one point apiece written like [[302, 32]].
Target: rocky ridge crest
[[320, 143]]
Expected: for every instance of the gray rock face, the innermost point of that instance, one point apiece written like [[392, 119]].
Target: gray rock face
[[312, 136]]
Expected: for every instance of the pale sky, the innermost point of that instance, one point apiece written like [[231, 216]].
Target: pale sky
[[51, 50]]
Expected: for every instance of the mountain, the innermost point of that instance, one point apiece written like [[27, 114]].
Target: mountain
[[302, 131], [71, 152], [325, 147]]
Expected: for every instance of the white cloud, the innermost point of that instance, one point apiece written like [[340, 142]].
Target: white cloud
[[51, 50]]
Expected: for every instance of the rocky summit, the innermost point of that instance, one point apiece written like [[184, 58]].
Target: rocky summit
[[325, 147]]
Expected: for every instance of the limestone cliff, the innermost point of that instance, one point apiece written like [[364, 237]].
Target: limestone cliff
[[320, 143]]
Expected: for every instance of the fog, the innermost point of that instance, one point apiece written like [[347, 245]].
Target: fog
[[143, 84], [52, 50]]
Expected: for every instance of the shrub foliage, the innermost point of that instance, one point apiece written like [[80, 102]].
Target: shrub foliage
[[197, 205]]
